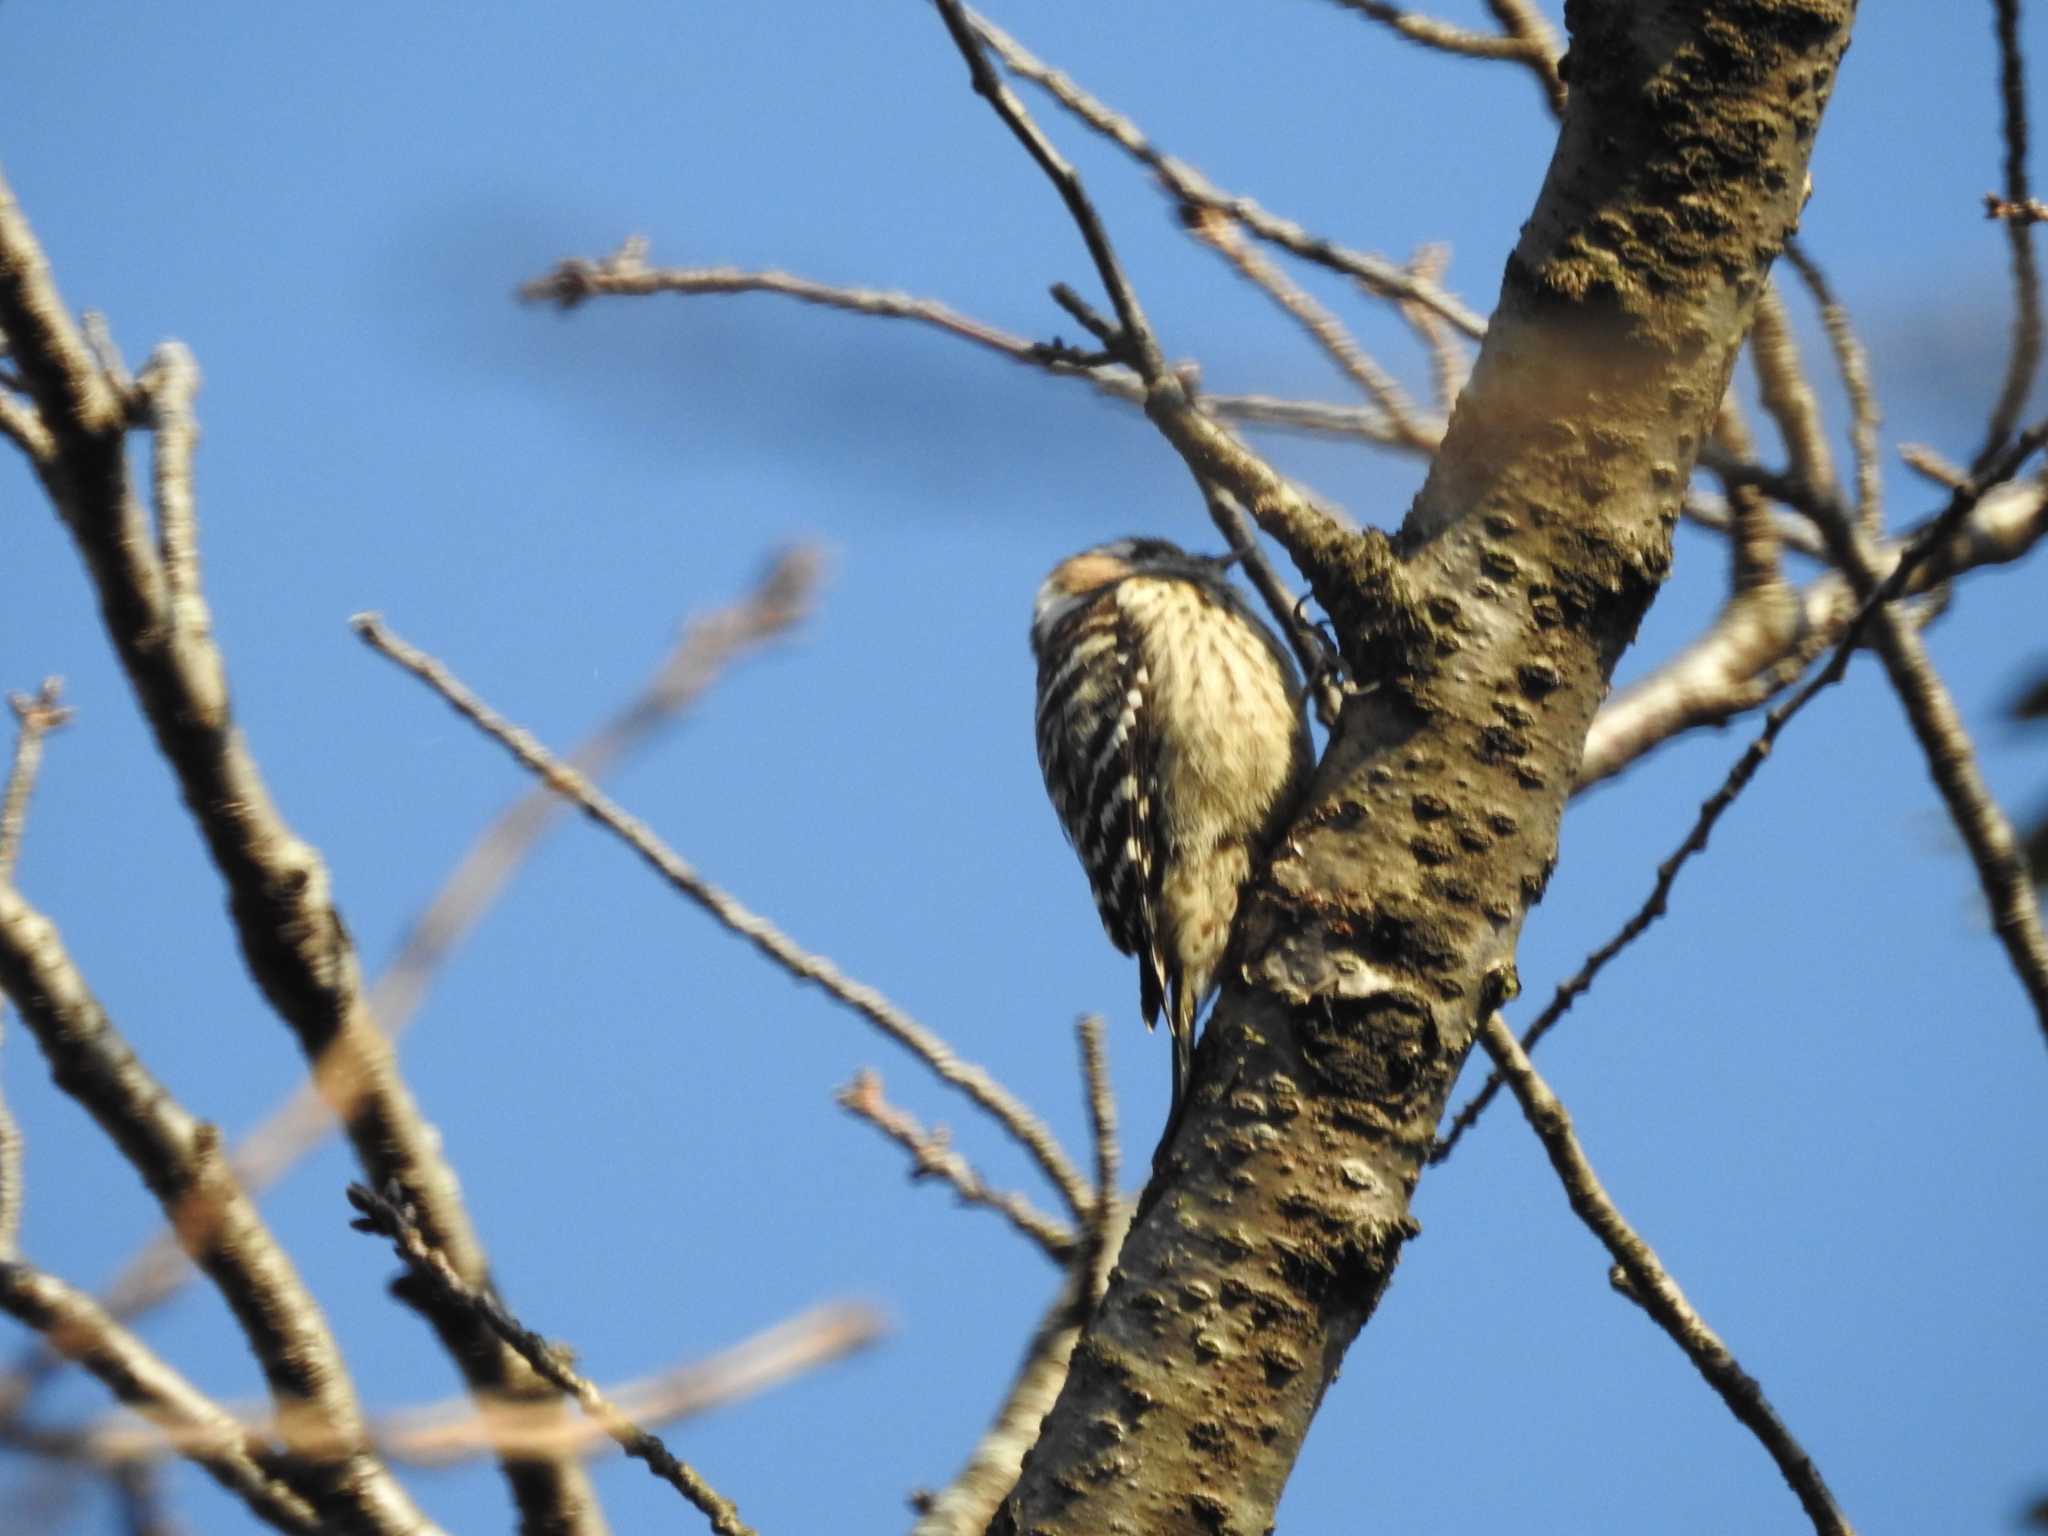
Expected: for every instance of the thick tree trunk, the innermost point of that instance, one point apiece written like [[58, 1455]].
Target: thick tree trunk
[[1386, 928]]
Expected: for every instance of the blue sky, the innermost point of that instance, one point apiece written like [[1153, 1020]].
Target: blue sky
[[1814, 1087]]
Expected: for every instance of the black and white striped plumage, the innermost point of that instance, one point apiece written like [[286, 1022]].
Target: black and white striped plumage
[[1171, 734]]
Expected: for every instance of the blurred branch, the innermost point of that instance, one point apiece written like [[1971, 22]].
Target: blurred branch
[[933, 1157], [291, 933], [1525, 39], [35, 715], [394, 1221], [1853, 365], [2025, 360], [461, 1429], [1029, 1131], [1787, 393], [1650, 1285]]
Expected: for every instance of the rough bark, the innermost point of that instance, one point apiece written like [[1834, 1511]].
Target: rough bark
[[1384, 931]]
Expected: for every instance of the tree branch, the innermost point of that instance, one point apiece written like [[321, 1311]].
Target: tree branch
[[389, 1219], [1650, 1285]]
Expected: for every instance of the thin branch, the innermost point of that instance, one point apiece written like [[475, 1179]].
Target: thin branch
[[1029, 1131], [1101, 1111], [1853, 365], [460, 1429], [1105, 1225], [1930, 465], [1322, 327], [280, 893], [2028, 211], [198, 1427], [36, 715], [933, 1157], [180, 1160], [1379, 276], [398, 1224], [1443, 36], [1652, 1286], [1520, 19], [1449, 363], [1787, 394], [169, 384], [2019, 235]]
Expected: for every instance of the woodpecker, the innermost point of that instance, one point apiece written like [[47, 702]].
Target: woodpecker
[[1173, 741]]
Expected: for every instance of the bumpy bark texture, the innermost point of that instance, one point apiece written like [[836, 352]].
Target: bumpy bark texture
[[1385, 929]]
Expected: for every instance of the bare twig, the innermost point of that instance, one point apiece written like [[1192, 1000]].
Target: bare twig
[[1520, 19], [2019, 235], [1854, 367], [35, 715], [933, 1157], [1105, 1224], [1651, 1285], [1026, 1127], [391, 1219], [457, 1430], [1788, 395], [179, 1159], [2027, 211], [1930, 465], [1101, 1111], [1449, 364]]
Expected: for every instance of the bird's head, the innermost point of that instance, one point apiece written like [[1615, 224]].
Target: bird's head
[[1079, 577]]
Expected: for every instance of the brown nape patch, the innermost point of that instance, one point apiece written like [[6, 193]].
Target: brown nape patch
[[1085, 572]]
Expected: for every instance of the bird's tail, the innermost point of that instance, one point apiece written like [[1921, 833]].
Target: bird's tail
[[1180, 1023]]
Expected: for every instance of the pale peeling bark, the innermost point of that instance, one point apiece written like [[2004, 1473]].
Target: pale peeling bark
[[1385, 931]]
